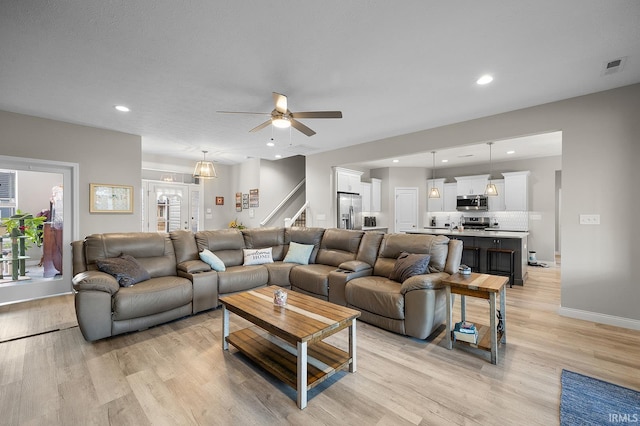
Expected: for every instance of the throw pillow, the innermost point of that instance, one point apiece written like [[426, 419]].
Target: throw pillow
[[214, 261], [298, 253], [125, 269], [257, 256], [408, 265]]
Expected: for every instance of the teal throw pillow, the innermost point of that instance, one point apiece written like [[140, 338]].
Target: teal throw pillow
[[298, 253], [214, 261]]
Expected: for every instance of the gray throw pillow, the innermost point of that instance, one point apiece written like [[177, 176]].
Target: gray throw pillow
[[125, 269], [408, 265]]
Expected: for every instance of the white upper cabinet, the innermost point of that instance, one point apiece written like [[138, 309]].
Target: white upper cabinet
[[516, 191], [348, 180], [472, 185], [371, 195], [435, 204], [450, 197], [366, 196], [496, 203], [376, 195]]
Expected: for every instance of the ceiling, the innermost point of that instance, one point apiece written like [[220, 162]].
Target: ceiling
[[391, 68]]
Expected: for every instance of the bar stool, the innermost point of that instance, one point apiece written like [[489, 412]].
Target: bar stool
[[475, 253], [494, 254]]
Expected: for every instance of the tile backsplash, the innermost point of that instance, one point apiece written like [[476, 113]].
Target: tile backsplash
[[512, 221]]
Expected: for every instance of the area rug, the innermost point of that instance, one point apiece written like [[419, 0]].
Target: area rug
[[589, 401]]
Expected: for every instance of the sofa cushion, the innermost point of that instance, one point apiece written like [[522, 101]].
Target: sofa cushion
[[437, 246], [312, 278], [125, 269], [378, 295], [279, 273], [241, 278], [266, 237], [408, 265], [227, 244], [338, 246], [257, 256], [212, 260], [303, 235], [298, 253], [151, 296]]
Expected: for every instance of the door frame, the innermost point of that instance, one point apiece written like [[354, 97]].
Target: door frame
[[416, 190], [46, 287]]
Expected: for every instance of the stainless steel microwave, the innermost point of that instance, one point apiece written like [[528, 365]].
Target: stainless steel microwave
[[472, 202]]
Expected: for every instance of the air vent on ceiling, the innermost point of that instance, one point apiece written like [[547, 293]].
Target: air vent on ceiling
[[613, 66]]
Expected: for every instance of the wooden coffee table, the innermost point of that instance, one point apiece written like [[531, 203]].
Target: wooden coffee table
[[288, 342], [483, 286]]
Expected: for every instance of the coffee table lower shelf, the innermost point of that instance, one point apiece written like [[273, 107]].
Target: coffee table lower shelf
[[484, 338], [280, 358]]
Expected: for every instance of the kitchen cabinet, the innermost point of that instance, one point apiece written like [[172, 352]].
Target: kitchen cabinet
[[516, 191], [496, 202], [435, 204], [366, 196], [371, 195], [471, 185], [376, 195], [348, 180], [450, 197]]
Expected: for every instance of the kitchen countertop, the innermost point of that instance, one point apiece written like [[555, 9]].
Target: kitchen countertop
[[374, 228], [471, 233]]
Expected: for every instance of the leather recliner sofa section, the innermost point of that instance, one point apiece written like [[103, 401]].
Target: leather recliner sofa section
[[346, 267]]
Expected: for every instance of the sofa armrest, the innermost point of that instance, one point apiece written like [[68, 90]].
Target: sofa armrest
[[205, 289], [354, 266], [338, 280], [95, 281], [193, 266], [431, 281]]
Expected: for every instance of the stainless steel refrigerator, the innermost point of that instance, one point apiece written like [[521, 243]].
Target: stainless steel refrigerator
[[349, 210]]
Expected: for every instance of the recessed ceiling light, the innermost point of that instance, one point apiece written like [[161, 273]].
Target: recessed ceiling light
[[511, 152], [445, 161], [278, 156], [485, 79], [122, 108], [396, 161], [271, 144]]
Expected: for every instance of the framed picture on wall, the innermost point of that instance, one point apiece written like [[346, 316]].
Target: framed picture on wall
[[219, 201], [254, 199], [238, 201], [245, 201], [106, 198]]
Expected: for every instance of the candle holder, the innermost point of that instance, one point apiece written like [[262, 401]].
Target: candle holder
[[280, 298]]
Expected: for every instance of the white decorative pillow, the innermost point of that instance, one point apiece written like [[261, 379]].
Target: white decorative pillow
[[214, 261], [257, 256], [298, 253]]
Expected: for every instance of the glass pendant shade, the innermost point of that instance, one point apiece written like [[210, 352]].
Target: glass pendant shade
[[434, 192], [204, 169], [281, 122], [491, 189]]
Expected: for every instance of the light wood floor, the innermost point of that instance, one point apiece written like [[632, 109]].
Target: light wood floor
[[177, 374]]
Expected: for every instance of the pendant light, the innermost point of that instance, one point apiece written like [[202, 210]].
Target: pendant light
[[491, 188], [433, 192], [204, 169]]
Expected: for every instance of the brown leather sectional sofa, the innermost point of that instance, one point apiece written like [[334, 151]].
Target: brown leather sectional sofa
[[346, 267]]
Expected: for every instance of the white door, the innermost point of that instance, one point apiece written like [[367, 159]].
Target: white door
[[406, 211], [171, 207]]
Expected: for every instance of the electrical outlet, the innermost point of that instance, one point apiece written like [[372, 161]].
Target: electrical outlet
[[589, 219]]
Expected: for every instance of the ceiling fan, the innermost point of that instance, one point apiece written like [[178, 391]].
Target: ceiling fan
[[281, 116]]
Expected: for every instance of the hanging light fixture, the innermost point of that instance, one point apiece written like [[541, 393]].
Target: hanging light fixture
[[491, 188], [204, 169], [433, 192]]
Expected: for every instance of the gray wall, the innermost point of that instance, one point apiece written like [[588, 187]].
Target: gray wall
[[104, 156], [599, 176]]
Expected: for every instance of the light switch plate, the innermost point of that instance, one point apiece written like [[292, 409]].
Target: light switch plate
[[589, 219]]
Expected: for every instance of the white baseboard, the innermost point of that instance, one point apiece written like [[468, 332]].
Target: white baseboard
[[632, 324]]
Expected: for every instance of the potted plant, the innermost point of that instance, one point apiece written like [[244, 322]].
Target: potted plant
[[22, 225]]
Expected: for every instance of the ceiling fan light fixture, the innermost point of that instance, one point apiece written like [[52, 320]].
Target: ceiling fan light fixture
[[204, 169], [281, 122]]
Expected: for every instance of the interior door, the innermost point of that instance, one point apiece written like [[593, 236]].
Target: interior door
[[406, 209]]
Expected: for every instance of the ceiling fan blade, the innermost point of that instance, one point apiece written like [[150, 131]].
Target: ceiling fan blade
[[243, 112], [317, 114], [301, 127], [261, 126], [281, 102]]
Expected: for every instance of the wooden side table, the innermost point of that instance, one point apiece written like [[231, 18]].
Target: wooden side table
[[483, 286]]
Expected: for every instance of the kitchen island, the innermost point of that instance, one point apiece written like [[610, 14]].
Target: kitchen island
[[509, 240]]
